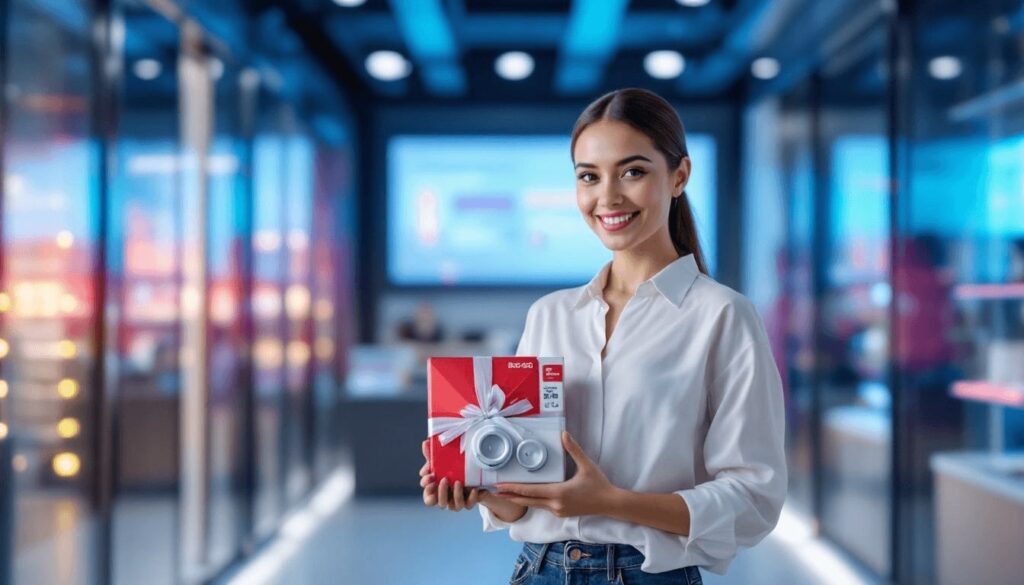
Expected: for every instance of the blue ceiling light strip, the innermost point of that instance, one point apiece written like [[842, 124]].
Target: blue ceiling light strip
[[589, 42], [429, 37]]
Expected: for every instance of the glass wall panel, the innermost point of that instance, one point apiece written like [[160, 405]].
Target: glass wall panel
[[778, 264], [333, 271], [299, 161], [144, 284], [227, 229], [853, 336], [47, 308], [960, 286], [269, 275]]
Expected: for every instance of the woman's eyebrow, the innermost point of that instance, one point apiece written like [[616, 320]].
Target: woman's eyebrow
[[628, 159]]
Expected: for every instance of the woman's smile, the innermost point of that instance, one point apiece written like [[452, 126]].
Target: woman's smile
[[618, 221]]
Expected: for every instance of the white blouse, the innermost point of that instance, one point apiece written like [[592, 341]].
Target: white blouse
[[688, 400]]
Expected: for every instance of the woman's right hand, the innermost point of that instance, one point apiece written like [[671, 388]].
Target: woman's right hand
[[455, 498]]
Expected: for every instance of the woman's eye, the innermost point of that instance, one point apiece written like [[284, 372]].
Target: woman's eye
[[639, 171], [583, 177]]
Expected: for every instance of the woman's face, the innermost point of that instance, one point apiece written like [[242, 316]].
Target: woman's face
[[623, 186]]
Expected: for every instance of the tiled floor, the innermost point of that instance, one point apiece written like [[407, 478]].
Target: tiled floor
[[397, 541]]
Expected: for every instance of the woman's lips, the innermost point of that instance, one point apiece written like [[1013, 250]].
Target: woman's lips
[[620, 225]]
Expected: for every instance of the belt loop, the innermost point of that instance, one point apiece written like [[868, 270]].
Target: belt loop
[[540, 558], [611, 562]]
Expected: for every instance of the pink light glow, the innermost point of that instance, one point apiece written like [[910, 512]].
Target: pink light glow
[[983, 391]]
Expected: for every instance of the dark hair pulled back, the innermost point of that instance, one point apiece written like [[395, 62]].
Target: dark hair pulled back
[[651, 114]]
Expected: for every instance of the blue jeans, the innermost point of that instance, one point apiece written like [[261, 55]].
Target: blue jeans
[[571, 562]]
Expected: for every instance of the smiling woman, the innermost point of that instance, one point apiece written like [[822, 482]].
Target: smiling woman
[[674, 409]]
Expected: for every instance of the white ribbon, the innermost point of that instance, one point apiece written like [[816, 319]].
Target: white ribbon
[[489, 408]]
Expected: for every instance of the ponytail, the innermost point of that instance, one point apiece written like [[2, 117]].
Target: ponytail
[[683, 229]]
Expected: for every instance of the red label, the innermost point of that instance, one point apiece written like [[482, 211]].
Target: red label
[[552, 373]]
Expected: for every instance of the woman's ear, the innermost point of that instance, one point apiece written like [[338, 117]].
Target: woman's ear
[[681, 175]]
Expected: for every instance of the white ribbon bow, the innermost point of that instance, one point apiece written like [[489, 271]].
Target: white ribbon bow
[[490, 398]]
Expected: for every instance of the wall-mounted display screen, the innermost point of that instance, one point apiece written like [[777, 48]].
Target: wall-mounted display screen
[[501, 210]]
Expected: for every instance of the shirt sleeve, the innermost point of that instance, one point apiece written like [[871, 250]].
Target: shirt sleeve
[[744, 452], [492, 523]]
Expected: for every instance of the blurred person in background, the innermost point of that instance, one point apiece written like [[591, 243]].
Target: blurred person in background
[[422, 327], [678, 439]]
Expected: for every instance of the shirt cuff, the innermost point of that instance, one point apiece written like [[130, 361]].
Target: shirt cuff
[[712, 532]]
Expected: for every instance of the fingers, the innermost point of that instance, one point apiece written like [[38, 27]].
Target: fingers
[[573, 448], [524, 501], [458, 498], [520, 489], [442, 493], [455, 498], [430, 494], [425, 470], [426, 449], [483, 496]]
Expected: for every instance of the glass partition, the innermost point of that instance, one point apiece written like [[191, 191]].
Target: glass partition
[[47, 290]]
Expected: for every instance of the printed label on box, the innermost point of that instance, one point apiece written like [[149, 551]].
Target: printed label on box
[[551, 397], [552, 373]]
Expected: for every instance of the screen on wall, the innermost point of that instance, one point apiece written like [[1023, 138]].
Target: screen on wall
[[501, 210]]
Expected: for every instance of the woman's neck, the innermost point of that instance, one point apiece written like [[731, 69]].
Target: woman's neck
[[634, 266]]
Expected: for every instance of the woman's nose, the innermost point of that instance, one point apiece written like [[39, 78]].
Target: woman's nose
[[610, 194]]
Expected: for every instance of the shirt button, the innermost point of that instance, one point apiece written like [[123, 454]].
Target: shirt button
[[575, 554]]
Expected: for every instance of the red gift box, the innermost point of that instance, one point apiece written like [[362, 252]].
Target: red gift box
[[482, 410]]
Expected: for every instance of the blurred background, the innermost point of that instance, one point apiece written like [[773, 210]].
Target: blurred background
[[231, 231]]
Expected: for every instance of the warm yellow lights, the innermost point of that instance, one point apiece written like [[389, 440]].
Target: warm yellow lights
[[66, 464], [5, 302], [5, 348], [324, 348], [3, 431], [3, 388], [36, 298], [323, 310], [67, 349], [68, 303], [298, 353], [268, 353], [68, 428], [65, 240], [297, 301], [67, 388]]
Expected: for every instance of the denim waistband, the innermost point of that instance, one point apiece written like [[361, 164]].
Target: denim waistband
[[573, 554]]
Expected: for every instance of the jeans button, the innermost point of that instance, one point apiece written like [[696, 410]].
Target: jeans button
[[575, 554]]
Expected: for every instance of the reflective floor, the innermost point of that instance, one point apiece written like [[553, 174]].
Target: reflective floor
[[392, 541]]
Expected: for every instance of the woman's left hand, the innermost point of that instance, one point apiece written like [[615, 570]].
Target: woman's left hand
[[586, 492]]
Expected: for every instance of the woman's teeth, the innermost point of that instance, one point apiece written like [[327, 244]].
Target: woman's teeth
[[618, 220]]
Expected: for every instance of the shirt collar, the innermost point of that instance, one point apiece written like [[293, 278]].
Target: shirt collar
[[672, 282]]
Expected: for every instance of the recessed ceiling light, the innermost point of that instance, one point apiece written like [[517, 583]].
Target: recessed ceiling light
[[664, 64], [764, 68], [147, 69], [945, 67], [388, 65], [692, 3], [350, 3], [514, 65]]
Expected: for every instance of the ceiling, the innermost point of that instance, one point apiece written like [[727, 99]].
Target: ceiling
[[580, 48]]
